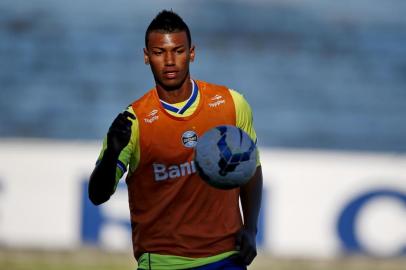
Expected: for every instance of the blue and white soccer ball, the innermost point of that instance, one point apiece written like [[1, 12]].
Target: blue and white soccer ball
[[226, 157]]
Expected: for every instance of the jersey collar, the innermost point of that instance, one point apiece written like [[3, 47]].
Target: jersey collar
[[188, 103]]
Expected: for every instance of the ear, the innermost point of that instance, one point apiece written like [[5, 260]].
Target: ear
[[192, 53], [146, 57]]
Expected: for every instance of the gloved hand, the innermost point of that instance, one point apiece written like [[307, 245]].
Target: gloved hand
[[119, 133], [246, 245]]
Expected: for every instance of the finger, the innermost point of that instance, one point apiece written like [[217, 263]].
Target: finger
[[122, 120], [128, 114], [127, 123], [250, 257], [247, 252], [119, 134], [247, 258], [120, 125], [244, 250], [121, 129]]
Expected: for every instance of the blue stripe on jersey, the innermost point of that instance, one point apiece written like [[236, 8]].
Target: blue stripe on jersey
[[121, 166], [169, 107], [189, 103], [191, 100]]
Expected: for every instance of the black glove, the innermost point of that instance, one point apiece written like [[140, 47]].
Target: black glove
[[246, 245], [119, 133]]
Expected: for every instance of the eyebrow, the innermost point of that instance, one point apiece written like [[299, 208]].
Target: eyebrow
[[175, 48]]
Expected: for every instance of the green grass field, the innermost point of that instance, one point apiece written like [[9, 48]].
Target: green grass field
[[94, 259]]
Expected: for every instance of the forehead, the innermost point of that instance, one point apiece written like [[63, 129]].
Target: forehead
[[161, 39]]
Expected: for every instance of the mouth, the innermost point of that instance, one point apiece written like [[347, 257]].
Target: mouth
[[170, 74]]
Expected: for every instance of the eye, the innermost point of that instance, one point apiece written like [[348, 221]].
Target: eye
[[180, 51], [157, 53]]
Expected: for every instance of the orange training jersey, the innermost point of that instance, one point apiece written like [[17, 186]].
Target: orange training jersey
[[173, 211]]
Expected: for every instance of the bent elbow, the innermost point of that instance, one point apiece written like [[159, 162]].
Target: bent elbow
[[98, 199]]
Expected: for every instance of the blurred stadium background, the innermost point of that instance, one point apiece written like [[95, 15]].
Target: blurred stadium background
[[327, 84]]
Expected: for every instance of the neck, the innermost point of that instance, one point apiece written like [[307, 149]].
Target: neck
[[176, 95]]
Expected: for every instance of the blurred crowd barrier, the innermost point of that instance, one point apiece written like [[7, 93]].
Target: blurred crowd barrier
[[325, 74], [316, 204]]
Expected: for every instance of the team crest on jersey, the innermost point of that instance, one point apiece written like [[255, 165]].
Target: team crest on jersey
[[189, 139]]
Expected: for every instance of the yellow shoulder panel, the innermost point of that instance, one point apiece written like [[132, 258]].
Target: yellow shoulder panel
[[244, 118]]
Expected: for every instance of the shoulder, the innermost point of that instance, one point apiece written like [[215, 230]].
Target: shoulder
[[215, 91], [144, 104], [134, 121], [208, 87], [240, 102], [237, 96], [146, 96]]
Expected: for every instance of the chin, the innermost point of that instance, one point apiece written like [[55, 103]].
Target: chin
[[171, 84]]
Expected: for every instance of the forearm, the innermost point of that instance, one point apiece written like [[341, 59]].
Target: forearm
[[103, 179], [251, 195]]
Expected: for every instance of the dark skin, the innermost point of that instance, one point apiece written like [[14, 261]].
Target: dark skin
[[251, 195], [169, 56]]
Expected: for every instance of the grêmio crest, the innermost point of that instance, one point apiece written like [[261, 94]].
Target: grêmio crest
[[189, 139]]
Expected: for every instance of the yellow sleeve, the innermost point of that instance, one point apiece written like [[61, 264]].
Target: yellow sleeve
[[130, 155], [244, 118]]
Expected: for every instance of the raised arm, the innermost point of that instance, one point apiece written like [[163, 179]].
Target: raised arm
[[103, 178]]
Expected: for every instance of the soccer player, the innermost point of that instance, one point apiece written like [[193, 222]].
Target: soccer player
[[178, 221]]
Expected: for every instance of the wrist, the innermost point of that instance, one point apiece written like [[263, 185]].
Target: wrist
[[112, 153], [250, 229]]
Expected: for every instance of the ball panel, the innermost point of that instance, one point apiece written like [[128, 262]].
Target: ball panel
[[226, 157]]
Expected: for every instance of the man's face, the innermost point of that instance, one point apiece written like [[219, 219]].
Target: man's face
[[169, 56]]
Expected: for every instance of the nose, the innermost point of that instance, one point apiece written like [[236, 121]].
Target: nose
[[169, 59]]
